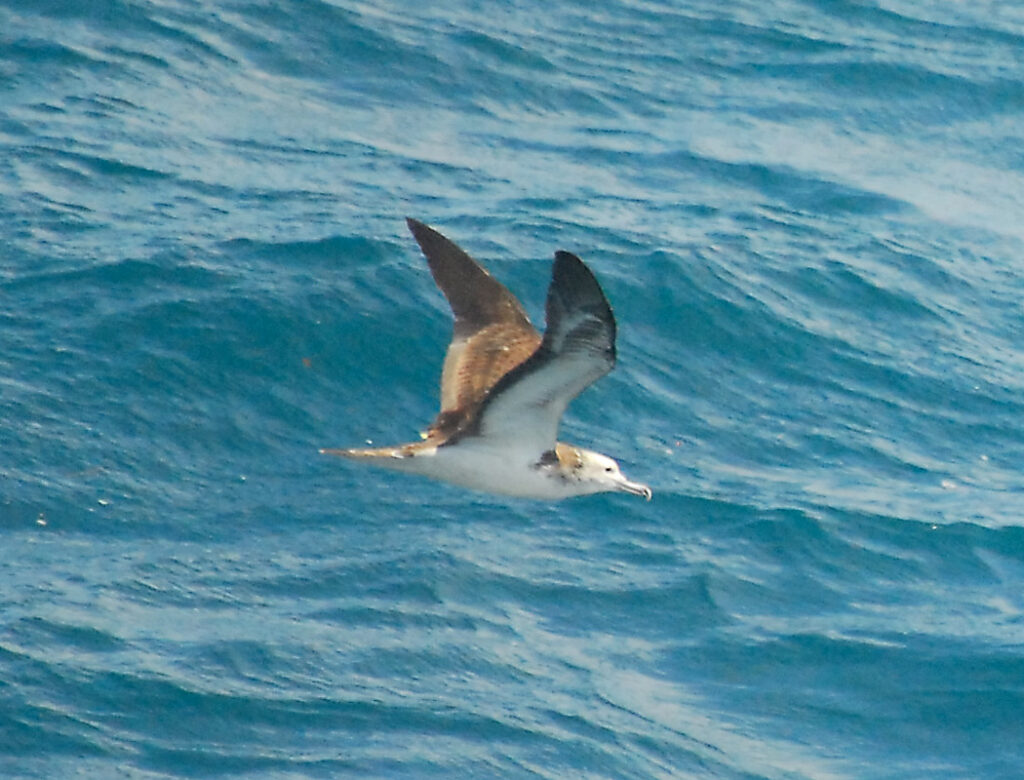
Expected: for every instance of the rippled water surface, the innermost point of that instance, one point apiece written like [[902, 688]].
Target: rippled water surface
[[807, 216]]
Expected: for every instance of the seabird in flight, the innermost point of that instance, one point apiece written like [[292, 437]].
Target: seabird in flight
[[504, 388]]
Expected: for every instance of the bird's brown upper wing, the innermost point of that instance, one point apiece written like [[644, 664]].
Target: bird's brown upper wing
[[492, 334]]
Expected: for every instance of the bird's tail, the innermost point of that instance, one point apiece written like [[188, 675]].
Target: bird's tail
[[373, 452], [384, 456]]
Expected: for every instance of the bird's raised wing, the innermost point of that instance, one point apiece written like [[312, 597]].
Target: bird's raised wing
[[491, 336]]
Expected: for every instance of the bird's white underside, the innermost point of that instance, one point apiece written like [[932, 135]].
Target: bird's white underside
[[479, 464]]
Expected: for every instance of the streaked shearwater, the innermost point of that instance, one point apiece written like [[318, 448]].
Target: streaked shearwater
[[504, 388]]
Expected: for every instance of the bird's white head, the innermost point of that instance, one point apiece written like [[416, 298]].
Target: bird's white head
[[603, 475]]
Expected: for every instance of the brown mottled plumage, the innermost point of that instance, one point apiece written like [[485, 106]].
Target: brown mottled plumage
[[492, 334], [504, 388]]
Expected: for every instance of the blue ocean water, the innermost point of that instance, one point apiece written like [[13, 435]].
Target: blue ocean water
[[807, 216]]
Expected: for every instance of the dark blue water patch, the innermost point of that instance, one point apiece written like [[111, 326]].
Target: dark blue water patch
[[293, 150], [320, 259], [47, 55], [37, 731], [379, 58], [503, 53], [918, 96], [786, 40], [138, 58], [655, 57], [398, 616], [217, 733], [784, 185], [157, 32], [38, 632], [730, 336], [924, 691], [786, 561], [105, 16], [257, 665], [160, 359], [650, 613], [214, 732], [31, 725], [85, 286], [379, 579], [922, 264], [836, 285], [795, 189], [185, 761], [11, 129], [81, 168], [909, 23], [337, 47], [954, 554]]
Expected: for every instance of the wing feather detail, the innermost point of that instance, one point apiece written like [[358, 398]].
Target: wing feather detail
[[525, 406], [491, 334]]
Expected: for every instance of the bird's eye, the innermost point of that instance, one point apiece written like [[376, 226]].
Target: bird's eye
[[607, 469]]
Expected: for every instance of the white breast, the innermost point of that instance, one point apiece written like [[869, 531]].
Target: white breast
[[473, 464]]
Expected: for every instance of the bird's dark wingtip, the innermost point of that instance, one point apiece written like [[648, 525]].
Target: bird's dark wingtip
[[567, 259], [572, 276], [415, 226]]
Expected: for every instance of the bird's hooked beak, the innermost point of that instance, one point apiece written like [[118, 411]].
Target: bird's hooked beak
[[635, 488]]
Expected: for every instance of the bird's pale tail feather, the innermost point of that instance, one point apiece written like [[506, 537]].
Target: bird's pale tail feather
[[371, 453], [398, 452]]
